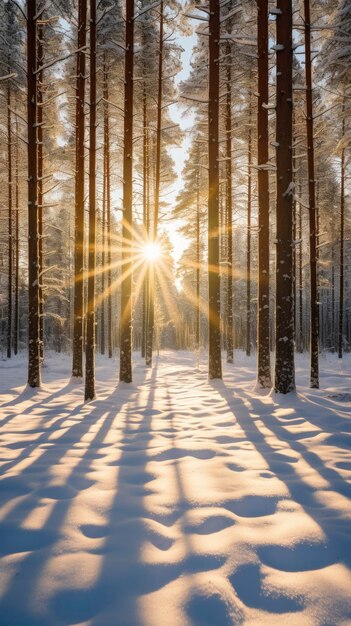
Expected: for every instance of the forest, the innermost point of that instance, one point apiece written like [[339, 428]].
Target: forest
[[175, 312]]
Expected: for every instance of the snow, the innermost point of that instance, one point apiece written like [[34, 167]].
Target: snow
[[174, 500]]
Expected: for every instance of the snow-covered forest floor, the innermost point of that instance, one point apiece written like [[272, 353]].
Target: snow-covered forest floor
[[175, 501]]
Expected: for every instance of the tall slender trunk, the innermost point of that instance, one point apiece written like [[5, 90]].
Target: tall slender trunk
[[90, 346], [342, 224], [145, 178], [229, 208], [10, 222], [151, 271], [108, 203], [263, 331], [300, 277], [332, 334], [284, 352], [197, 307], [248, 255], [103, 262], [78, 310], [314, 307], [16, 325], [214, 294], [125, 372], [33, 248], [40, 184]]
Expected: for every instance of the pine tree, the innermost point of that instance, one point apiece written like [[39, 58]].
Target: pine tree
[[284, 380], [214, 308], [263, 331], [33, 239], [125, 372], [78, 316], [90, 345]]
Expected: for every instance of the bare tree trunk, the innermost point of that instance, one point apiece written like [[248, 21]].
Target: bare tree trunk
[[197, 307], [10, 229], [229, 209], [263, 331], [314, 307], [33, 247], [78, 315], [342, 223], [90, 346], [151, 279], [300, 278], [145, 184], [108, 203], [214, 293], [103, 262], [16, 328], [248, 255], [284, 352], [40, 184], [125, 372]]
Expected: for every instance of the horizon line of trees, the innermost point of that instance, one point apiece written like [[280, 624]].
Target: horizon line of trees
[[88, 86]]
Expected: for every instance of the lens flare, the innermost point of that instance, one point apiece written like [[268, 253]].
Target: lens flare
[[152, 252]]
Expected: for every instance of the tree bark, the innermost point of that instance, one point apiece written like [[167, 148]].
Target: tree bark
[[90, 345], [151, 269], [314, 306], [16, 324], [284, 321], [108, 204], [248, 255], [40, 185], [33, 247], [125, 373], [229, 209], [342, 224], [78, 315], [214, 304], [263, 332], [10, 223]]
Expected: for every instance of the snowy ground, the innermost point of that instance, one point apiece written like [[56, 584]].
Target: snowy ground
[[174, 501]]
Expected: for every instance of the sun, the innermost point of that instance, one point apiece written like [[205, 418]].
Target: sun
[[152, 252]]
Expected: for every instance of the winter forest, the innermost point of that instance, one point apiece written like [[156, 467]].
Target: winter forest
[[175, 312]]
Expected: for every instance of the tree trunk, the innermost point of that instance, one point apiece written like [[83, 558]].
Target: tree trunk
[[342, 221], [108, 204], [263, 356], [151, 271], [197, 307], [284, 352], [103, 255], [248, 256], [125, 373], [33, 247], [78, 314], [145, 233], [314, 307], [40, 185], [16, 325], [229, 209], [90, 346], [10, 230], [214, 303], [300, 277]]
